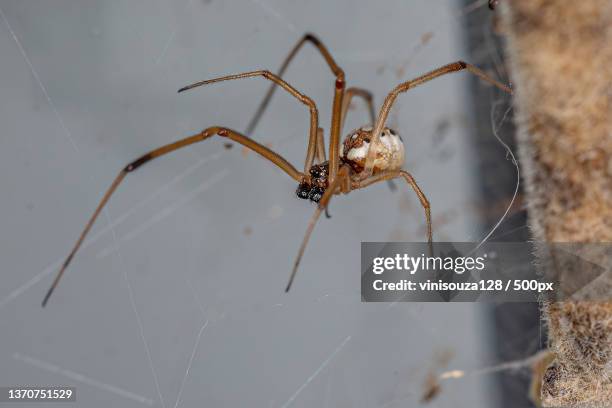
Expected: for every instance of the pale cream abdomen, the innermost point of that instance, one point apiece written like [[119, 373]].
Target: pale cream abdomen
[[389, 155]]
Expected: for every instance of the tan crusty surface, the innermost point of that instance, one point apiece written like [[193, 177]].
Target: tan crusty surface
[[560, 55]]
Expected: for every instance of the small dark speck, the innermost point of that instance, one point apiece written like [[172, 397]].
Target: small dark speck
[[228, 145], [441, 131], [247, 230], [29, 206]]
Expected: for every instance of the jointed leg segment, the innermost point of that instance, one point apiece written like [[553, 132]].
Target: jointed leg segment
[[339, 89], [340, 181], [390, 175], [365, 95], [160, 151], [343, 184], [320, 145], [403, 87], [369, 100], [314, 113], [336, 70]]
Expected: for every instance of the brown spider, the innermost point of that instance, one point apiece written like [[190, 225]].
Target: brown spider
[[368, 155]]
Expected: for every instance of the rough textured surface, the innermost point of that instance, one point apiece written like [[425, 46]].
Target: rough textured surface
[[560, 55]]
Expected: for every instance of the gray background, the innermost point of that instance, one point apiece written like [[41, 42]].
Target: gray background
[[177, 297]]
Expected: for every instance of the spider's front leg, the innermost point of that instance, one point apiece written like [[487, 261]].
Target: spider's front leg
[[405, 86], [342, 181], [312, 106], [266, 153]]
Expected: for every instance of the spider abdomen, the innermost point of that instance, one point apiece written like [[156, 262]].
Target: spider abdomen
[[389, 153]]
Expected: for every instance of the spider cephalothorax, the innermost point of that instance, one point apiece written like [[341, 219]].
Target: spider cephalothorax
[[314, 188], [389, 154]]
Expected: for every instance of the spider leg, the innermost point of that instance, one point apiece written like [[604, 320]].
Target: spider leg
[[334, 138], [281, 71], [403, 87], [343, 173], [266, 153], [321, 156], [320, 145], [346, 101], [365, 95], [314, 113], [369, 100], [412, 182]]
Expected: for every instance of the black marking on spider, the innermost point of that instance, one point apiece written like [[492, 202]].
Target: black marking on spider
[[314, 188], [138, 162]]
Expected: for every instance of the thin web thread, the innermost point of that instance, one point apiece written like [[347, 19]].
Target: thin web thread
[[53, 368], [193, 353], [133, 303], [514, 161], [317, 372], [40, 84]]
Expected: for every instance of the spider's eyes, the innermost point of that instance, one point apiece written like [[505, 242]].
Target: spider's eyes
[[367, 140], [303, 191]]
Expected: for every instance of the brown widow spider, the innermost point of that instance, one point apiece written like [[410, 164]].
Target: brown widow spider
[[367, 155]]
